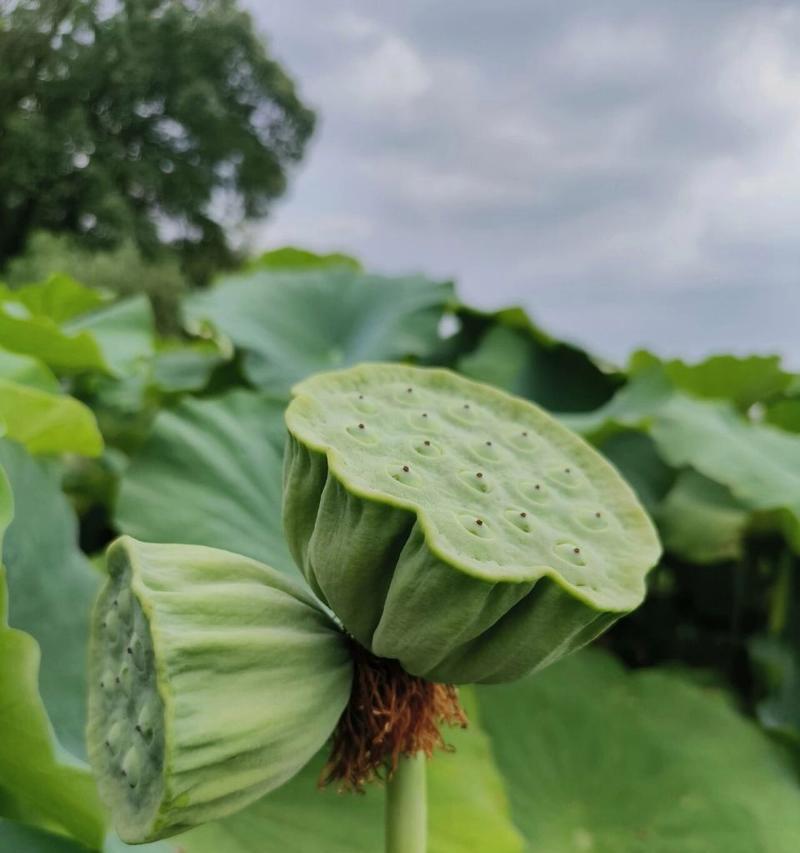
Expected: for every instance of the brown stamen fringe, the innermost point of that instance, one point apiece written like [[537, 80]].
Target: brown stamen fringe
[[390, 714]]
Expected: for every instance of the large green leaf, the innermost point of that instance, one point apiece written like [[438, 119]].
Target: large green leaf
[[41, 337], [293, 258], [45, 422], [785, 414], [467, 804], [185, 367], [632, 407], [597, 759], [35, 412], [293, 324], [51, 587], [39, 783], [124, 331], [517, 356], [27, 371], [757, 462], [636, 456], [21, 838], [211, 474], [59, 298], [741, 380], [701, 521]]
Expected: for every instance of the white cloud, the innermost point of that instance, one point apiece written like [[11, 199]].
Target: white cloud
[[636, 160]]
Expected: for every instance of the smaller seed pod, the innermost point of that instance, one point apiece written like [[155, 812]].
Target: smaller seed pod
[[474, 539], [234, 679]]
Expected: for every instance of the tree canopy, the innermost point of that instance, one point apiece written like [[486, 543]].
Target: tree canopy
[[157, 121]]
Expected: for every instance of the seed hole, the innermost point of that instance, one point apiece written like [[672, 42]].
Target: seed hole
[[592, 520], [533, 491], [525, 442], [362, 435], [425, 447], [476, 481], [405, 476], [519, 520], [570, 553], [476, 526], [563, 477], [363, 405]]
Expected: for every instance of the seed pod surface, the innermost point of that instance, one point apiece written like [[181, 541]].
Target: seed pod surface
[[458, 529], [214, 679]]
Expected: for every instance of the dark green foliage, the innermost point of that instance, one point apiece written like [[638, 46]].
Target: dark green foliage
[[193, 453], [115, 117]]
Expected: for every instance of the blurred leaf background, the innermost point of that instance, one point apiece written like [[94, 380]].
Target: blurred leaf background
[[146, 358]]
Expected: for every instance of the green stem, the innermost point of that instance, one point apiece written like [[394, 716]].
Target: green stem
[[407, 808]]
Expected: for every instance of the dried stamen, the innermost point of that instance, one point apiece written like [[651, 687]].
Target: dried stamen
[[390, 714]]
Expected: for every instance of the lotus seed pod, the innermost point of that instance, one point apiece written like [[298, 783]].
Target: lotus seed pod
[[214, 679], [455, 528]]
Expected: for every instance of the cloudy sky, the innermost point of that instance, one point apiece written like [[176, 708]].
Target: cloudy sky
[[628, 171]]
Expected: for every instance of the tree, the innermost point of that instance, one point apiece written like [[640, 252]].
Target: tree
[[142, 120]]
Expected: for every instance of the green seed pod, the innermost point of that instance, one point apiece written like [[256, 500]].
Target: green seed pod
[[454, 527], [214, 679]]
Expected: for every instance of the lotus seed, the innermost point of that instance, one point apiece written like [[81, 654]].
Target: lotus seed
[[405, 468], [136, 740], [361, 426], [427, 537]]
